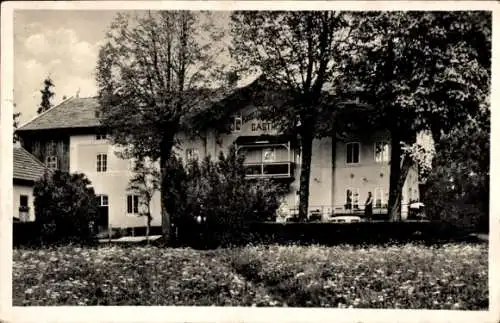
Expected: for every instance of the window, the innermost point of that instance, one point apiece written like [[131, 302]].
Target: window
[[51, 148], [132, 204], [102, 200], [381, 152], [51, 162], [131, 164], [23, 208], [101, 136], [238, 122], [352, 199], [192, 154], [23, 201], [102, 162], [51, 155], [379, 197], [352, 153], [268, 155]]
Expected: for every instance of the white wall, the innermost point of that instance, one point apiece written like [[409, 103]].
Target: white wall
[[113, 182], [328, 183], [23, 190], [321, 179]]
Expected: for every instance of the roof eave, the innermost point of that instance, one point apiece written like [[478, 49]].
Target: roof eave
[[61, 129]]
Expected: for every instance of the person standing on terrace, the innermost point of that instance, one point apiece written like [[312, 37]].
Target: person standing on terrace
[[369, 206]]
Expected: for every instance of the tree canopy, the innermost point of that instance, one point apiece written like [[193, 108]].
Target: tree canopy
[[299, 54], [15, 124], [419, 71], [47, 95]]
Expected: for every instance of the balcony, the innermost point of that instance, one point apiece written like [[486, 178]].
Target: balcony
[[276, 170]]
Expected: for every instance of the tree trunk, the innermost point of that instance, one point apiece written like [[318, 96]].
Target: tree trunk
[[305, 173], [148, 227], [394, 204], [334, 159], [148, 222], [166, 149], [395, 210]]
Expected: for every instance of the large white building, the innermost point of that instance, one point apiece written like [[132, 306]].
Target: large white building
[[69, 137]]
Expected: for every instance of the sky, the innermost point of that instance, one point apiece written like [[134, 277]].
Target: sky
[[59, 44], [64, 45]]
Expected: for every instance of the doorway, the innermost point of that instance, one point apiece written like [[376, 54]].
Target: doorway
[[102, 213]]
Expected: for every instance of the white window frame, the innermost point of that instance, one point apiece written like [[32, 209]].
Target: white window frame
[[51, 159], [359, 152], [101, 136], [375, 155], [354, 192], [51, 148], [102, 163], [131, 164], [134, 201], [192, 154], [238, 120], [379, 193], [102, 198], [51, 162]]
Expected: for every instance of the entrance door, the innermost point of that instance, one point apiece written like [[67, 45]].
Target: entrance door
[[103, 213]]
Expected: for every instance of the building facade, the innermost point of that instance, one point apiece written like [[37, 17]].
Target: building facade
[[27, 169], [343, 171]]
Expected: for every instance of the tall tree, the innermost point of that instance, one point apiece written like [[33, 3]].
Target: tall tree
[[298, 52], [420, 71], [155, 69], [15, 124], [47, 95]]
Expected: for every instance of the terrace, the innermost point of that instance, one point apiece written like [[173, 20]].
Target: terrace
[[267, 156]]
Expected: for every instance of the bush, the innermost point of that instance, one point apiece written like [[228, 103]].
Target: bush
[[460, 203], [215, 198], [65, 207]]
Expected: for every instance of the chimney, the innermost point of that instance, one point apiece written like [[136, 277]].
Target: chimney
[[78, 93]]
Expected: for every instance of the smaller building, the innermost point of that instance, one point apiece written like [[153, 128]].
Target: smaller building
[[27, 170]]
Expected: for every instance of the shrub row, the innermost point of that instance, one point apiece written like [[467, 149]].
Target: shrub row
[[373, 233]]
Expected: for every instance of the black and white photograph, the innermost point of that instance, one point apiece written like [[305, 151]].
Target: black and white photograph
[[249, 157]]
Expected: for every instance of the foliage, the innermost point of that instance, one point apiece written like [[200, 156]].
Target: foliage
[[47, 95], [446, 80], [145, 183], [217, 194], [459, 184], [15, 124], [65, 207], [154, 69], [422, 153], [298, 54], [405, 277]]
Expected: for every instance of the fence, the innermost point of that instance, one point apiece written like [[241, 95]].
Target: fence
[[326, 212]]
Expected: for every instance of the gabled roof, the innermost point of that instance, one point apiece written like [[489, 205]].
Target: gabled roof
[[72, 113], [26, 166]]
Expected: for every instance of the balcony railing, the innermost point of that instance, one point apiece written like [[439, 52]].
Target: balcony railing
[[269, 170]]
